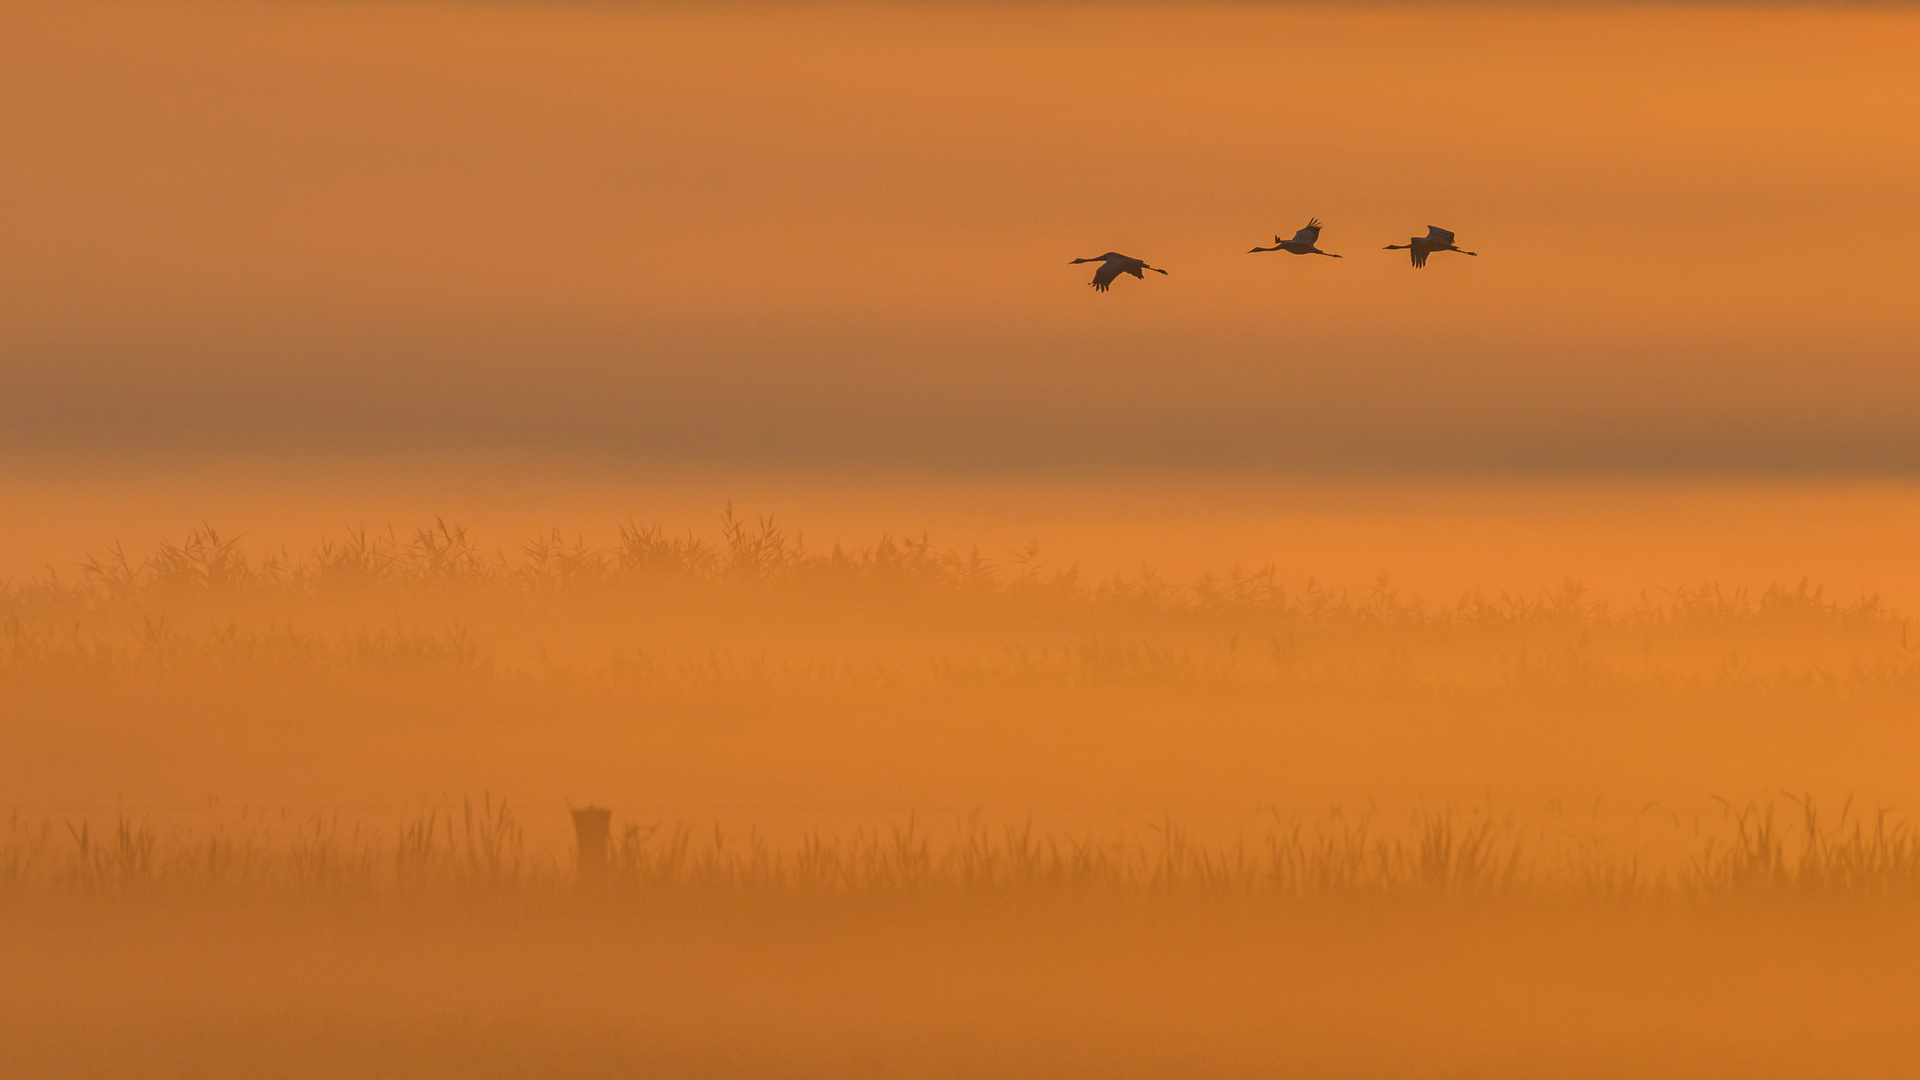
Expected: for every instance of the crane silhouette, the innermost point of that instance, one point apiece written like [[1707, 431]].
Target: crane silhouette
[[1112, 265], [1302, 242], [1437, 239]]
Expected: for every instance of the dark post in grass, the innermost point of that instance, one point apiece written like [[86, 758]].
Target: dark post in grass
[[593, 828]]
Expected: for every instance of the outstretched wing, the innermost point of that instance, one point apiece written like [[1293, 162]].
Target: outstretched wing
[[1309, 235], [1104, 276], [1419, 254], [1439, 235]]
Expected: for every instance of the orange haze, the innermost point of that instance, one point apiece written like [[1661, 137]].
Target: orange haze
[[840, 233], [419, 418]]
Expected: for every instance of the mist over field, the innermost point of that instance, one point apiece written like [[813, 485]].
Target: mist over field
[[423, 421], [898, 808]]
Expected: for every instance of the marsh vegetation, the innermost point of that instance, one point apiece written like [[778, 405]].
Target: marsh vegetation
[[909, 808]]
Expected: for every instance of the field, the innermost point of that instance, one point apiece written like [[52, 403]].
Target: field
[[900, 808], [421, 420]]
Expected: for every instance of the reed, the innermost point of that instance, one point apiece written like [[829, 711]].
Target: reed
[[480, 850], [379, 644], [646, 610]]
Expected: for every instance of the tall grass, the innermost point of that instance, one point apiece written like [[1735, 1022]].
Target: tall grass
[[756, 604], [377, 642], [480, 851]]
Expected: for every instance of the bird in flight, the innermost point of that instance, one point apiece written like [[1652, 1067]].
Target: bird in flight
[[1302, 242], [1112, 265], [1437, 239]]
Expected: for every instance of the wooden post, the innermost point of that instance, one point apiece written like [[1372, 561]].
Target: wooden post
[[593, 828]]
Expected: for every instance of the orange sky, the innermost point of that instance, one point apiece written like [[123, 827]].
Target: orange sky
[[840, 233]]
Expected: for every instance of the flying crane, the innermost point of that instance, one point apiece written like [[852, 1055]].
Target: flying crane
[[1112, 265], [1437, 239], [1302, 243]]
